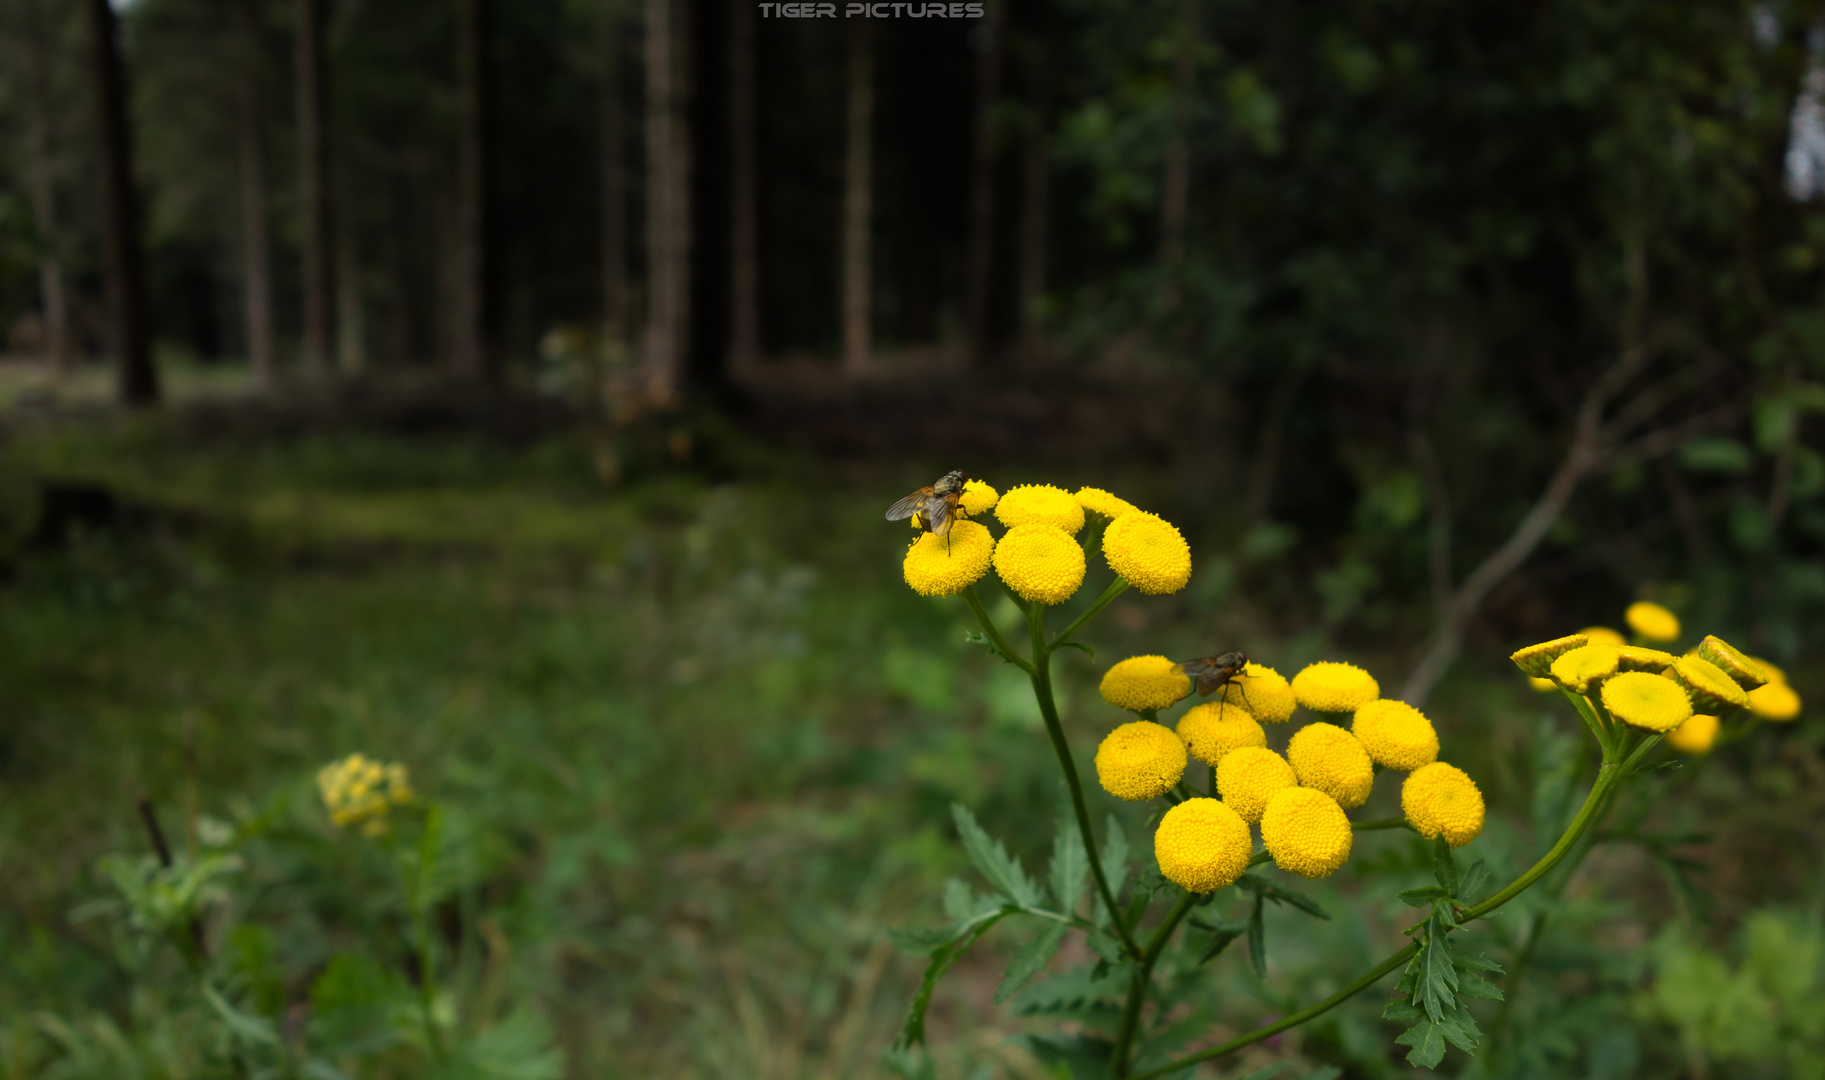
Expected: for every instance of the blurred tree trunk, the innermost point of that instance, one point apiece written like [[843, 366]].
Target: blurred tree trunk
[[477, 323], [667, 210], [1175, 184], [256, 244], [856, 191], [982, 182], [1035, 184], [313, 187], [125, 270], [351, 311], [614, 178], [42, 165], [744, 279]]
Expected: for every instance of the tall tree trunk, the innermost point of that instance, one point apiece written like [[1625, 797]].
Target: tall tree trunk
[[1175, 184], [667, 215], [137, 378], [256, 244], [313, 187], [614, 179], [744, 156], [478, 306], [856, 203], [351, 310], [1035, 185], [982, 182], [42, 166]]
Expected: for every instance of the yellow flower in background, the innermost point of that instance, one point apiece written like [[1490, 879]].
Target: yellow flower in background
[[1576, 670], [1248, 777], [1710, 687], [1603, 635], [1743, 670], [1202, 845], [1144, 682], [1329, 686], [1642, 658], [1775, 701], [1148, 553], [1040, 563], [947, 565], [1395, 734], [1648, 701], [1542, 685], [977, 498], [358, 790], [1262, 691], [1696, 736], [1040, 504], [1214, 728], [1652, 621], [1306, 832], [1139, 761], [1536, 660], [1101, 502], [1329, 759], [1441, 798]]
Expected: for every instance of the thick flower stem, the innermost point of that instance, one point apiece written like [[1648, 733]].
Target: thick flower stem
[[1041, 672], [1139, 980]]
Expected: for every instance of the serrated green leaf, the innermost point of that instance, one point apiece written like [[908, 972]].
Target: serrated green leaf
[[1402, 1012], [1078, 645], [244, 1025], [1220, 938], [1438, 976], [1002, 870], [1476, 962], [1667, 765], [1031, 959], [1472, 985], [1444, 867], [1115, 855], [961, 904], [913, 1032], [923, 939], [1476, 879], [1459, 1028], [976, 637], [1422, 896], [1107, 946], [1428, 1043], [1257, 938], [1268, 890], [1070, 862]]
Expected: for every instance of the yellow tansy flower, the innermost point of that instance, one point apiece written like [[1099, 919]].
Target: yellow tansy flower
[[1148, 553], [1576, 670], [978, 498], [1328, 758], [947, 565], [1214, 728], [1144, 682], [1710, 686], [1775, 701], [358, 790], [1642, 658], [1202, 845], [1248, 777], [1542, 685], [1732, 662], [1306, 832], [1648, 701], [1395, 734], [1330, 686], [1441, 798], [1040, 563], [1603, 635], [1101, 502], [1652, 621], [1040, 504], [1139, 761], [1537, 659], [1696, 736], [1262, 691]]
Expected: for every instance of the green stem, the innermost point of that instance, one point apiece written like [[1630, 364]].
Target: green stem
[[1380, 823], [1141, 978], [1607, 775], [994, 635], [1115, 589]]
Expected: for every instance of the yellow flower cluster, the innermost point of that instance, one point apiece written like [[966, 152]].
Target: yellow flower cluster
[[978, 498], [1098, 501], [1696, 736], [1651, 621], [1140, 761], [1040, 504], [1395, 734], [1040, 563], [1440, 798], [1248, 777], [1214, 728], [1145, 682], [1329, 759], [1148, 553], [947, 565], [1774, 700], [359, 791], [1334, 687], [1305, 831], [1202, 845], [1262, 691]]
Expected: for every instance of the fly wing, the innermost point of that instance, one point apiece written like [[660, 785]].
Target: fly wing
[[909, 506], [1207, 673], [939, 515]]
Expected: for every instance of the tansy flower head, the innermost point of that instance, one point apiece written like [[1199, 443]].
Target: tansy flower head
[[1576, 670], [1144, 682], [1306, 832], [1642, 658], [1536, 659], [1248, 777], [1542, 685], [1148, 553], [1140, 761], [1202, 845], [1775, 701], [1648, 701], [1732, 662], [1395, 734], [1329, 686], [359, 791], [1040, 504], [1710, 687], [1652, 621], [1098, 501], [978, 498], [947, 565], [1441, 798], [1262, 691], [1214, 728], [1696, 736], [1603, 635], [1040, 562], [1328, 758]]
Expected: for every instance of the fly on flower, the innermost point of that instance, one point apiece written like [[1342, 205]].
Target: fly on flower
[[935, 506], [1211, 673]]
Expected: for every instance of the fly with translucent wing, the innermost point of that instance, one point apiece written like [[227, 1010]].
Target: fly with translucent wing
[[1211, 673], [936, 506]]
